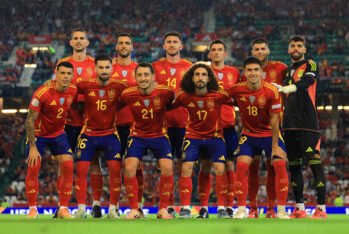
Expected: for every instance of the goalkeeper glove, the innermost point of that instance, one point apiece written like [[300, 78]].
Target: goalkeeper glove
[[286, 89]]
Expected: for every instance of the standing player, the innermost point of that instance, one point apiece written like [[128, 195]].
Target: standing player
[[203, 101], [260, 106], [148, 104], [99, 133], [273, 72], [45, 127], [227, 76], [301, 129], [169, 72]]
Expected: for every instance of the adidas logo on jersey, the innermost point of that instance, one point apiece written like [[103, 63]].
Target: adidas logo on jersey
[[243, 99], [137, 104], [92, 94], [163, 72], [309, 150], [53, 103], [222, 158], [191, 105]]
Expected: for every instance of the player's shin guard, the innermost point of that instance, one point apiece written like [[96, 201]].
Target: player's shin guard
[[140, 179], [253, 183], [96, 181], [58, 184], [166, 188], [297, 180], [241, 183], [281, 181], [204, 187], [185, 187], [114, 181], [320, 180], [221, 189], [230, 194], [82, 168], [66, 182], [131, 186], [271, 193], [32, 183]]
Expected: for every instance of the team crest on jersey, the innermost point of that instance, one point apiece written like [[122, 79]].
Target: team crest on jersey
[[261, 101], [172, 71], [264, 75], [101, 93], [220, 75], [124, 73], [61, 100], [210, 104], [157, 102], [69, 100], [300, 73], [252, 99], [200, 104], [146, 102], [272, 74], [79, 70], [111, 93]]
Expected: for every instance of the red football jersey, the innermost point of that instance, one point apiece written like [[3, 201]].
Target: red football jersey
[[100, 105], [148, 110], [170, 74], [82, 70], [127, 75], [204, 112], [273, 72], [53, 107], [227, 77], [255, 107]]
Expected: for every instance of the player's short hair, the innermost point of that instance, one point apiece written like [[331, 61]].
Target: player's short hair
[[296, 38], [65, 64], [174, 34], [77, 30], [124, 35], [145, 65], [259, 41], [252, 60], [187, 83], [102, 57], [217, 42]]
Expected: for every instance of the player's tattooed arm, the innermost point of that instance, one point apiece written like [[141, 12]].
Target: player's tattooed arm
[[29, 125]]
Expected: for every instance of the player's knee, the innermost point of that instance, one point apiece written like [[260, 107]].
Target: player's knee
[[219, 168], [187, 169], [229, 165], [205, 166], [130, 170]]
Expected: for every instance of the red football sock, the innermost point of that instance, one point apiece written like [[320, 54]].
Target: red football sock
[[281, 181], [82, 168], [186, 187], [131, 186], [221, 189], [66, 182], [96, 181], [271, 193], [204, 187], [230, 194], [241, 183], [253, 184], [166, 186], [114, 181], [58, 184], [140, 179], [32, 183]]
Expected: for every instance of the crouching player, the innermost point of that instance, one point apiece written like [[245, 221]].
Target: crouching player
[[259, 105], [45, 127], [148, 104]]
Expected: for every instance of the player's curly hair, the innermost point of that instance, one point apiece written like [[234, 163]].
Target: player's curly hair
[[187, 83]]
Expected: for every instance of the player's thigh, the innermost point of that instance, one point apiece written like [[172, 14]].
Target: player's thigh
[[191, 149], [293, 145], [231, 141], [216, 148], [310, 141], [166, 166], [136, 148], [41, 144], [160, 147], [86, 147], [73, 133], [124, 132], [60, 145], [110, 146], [246, 147]]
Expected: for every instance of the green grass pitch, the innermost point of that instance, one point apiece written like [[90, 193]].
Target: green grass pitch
[[335, 224]]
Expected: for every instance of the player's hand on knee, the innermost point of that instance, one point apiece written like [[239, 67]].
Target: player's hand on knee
[[34, 157]]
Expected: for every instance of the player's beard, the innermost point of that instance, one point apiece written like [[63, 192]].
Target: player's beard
[[173, 54], [104, 79], [204, 85], [297, 56], [124, 55]]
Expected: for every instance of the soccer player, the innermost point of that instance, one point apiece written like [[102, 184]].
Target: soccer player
[[148, 103], [84, 68], [169, 71], [100, 97], [272, 72], [203, 100], [260, 106], [45, 127], [300, 125], [227, 76]]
